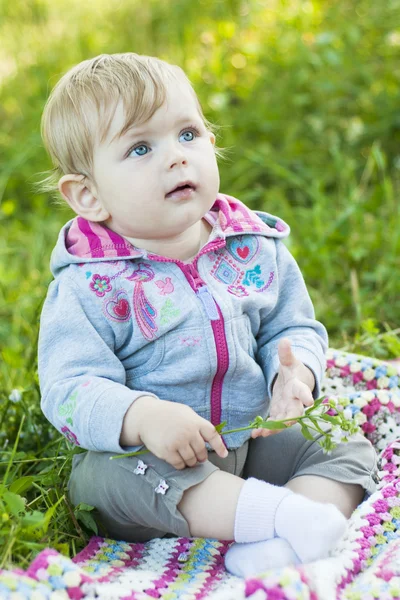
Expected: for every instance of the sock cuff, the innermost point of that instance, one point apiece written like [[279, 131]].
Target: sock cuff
[[256, 509]]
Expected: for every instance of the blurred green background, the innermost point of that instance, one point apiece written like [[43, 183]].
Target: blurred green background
[[305, 94]]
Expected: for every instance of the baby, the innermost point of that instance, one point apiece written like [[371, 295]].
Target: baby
[[173, 308]]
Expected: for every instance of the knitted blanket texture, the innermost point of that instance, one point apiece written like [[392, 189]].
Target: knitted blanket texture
[[365, 564]]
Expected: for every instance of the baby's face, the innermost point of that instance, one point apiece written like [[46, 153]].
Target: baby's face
[[161, 177]]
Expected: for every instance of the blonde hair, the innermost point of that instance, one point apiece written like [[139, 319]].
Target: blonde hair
[[81, 106]]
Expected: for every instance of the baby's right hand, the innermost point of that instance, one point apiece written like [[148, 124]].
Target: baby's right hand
[[175, 433]]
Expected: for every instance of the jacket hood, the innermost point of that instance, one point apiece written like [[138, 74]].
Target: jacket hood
[[81, 241]]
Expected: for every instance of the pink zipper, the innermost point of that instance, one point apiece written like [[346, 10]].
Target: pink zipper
[[217, 324]]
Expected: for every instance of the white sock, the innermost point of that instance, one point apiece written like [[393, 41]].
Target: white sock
[[265, 511], [246, 560], [256, 508], [311, 528]]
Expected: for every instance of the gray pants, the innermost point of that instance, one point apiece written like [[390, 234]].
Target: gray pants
[[136, 498]]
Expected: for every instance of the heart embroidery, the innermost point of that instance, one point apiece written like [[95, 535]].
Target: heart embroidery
[[243, 252], [243, 247], [117, 308]]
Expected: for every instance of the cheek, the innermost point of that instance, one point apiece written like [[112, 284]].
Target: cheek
[[213, 171]]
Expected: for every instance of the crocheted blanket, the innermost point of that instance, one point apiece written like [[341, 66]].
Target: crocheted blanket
[[365, 564]]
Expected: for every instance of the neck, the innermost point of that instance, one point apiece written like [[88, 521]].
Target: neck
[[183, 246]]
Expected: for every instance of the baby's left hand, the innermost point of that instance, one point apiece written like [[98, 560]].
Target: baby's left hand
[[292, 390]]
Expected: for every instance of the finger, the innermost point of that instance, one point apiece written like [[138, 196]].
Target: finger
[[188, 456], [199, 449], [304, 394], [286, 356], [175, 459], [211, 435], [256, 433]]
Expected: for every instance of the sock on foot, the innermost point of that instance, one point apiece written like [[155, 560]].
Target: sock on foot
[[265, 511], [311, 528], [256, 508], [247, 560]]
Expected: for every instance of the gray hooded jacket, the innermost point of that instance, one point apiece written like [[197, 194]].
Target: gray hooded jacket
[[120, 322]]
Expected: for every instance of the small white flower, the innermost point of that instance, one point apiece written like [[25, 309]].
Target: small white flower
[[15, 396], [327, 452], [348, 414], [337, 435]]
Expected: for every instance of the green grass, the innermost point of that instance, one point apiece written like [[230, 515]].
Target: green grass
[[305, 94]]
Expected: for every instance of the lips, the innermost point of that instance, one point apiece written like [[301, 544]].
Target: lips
[[182, 189]]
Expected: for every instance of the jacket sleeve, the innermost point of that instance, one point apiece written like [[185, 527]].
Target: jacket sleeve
[[82, 381], [292, 317]]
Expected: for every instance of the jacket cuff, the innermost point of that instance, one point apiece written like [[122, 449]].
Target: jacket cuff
[[107, 416]]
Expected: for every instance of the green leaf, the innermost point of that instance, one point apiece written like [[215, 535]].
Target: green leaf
[[316, 425], [33, 520], [316, 404], [22, 484], [221, 426], [49, 514], [83, 506], [306, 432], [87, 519], [329, 418], [14, 502]]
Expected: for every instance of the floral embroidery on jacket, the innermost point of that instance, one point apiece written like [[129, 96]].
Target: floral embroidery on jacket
[[100, 284]]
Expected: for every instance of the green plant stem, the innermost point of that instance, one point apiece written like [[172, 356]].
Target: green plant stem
[[290, 420], [10, 462], [33, 460]]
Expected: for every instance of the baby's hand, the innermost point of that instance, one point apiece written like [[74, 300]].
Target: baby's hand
[[176, 434], [292, 390]]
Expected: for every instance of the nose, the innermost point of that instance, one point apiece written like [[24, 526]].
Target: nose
[[177, 157]]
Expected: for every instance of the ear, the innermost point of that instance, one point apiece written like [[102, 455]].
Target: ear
[[82, 197], [212, 138]]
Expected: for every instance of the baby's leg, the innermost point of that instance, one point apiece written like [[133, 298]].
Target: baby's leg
[[144, 497], [300, 465], [224, 506], [346, 496]]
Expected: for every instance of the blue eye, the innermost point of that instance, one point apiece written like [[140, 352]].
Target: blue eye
[[139, 150], [187, 136]]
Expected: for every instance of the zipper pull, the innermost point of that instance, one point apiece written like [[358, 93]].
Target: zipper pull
[[208, 303]]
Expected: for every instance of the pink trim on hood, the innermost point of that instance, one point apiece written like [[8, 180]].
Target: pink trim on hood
[[231, 217], [235, 217], [90, 239]]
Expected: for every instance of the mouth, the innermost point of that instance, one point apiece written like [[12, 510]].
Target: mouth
[[184, 189]]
